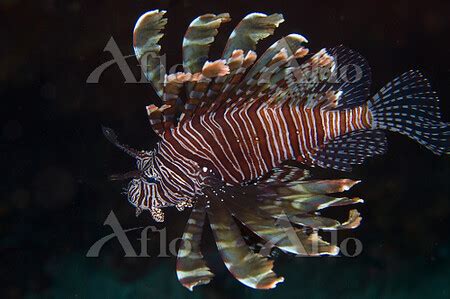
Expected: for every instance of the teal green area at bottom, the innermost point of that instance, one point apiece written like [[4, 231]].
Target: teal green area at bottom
[[80, 277]]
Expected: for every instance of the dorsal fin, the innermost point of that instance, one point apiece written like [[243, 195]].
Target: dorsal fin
[[354, 77], [309, 78], [237, 73], [221, 85], [261, 82], [338, 72], [210, 70], [146, 35], [173, 84], [197, 40], [276, 78], [239, 55], [290, 44], [283, 81], [250, 30], [155, 118], [257, 79]]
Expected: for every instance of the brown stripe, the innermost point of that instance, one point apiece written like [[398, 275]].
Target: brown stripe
[[366, 116], [343, 122], [294, 137], [263, 142], [319, 125]]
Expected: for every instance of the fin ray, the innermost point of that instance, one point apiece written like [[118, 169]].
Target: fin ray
[[350, 149], [249, 268], [197, 40], [191, 267], [250, 30], [146, 35], [409, 106]]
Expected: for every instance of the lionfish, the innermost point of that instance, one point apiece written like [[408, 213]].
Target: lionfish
[[225, 145]]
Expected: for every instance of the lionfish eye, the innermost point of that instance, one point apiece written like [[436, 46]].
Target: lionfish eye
[[151, 180]]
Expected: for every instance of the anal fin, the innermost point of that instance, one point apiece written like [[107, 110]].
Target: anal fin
[[350, 149]]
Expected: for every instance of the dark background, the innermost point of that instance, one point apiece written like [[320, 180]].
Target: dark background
[[54, 192]]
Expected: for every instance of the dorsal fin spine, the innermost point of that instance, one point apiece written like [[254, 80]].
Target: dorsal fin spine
[[173, 85], [233, 79], [146, 35], [155, 119]]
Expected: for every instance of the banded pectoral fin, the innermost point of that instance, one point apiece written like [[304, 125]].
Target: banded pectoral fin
[[251, 269], [191, 266], [279, 232], [275, 207], [301, 201], [280, 209]]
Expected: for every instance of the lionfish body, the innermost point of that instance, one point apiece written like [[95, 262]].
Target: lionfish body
[[224, 145], [244, 144]]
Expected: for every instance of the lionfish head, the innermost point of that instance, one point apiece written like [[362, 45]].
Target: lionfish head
[[142, 191]]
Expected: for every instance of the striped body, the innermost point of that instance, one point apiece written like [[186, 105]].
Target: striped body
[[243, 144]]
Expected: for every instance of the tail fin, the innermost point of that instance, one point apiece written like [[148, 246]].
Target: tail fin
[[409, 106]]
